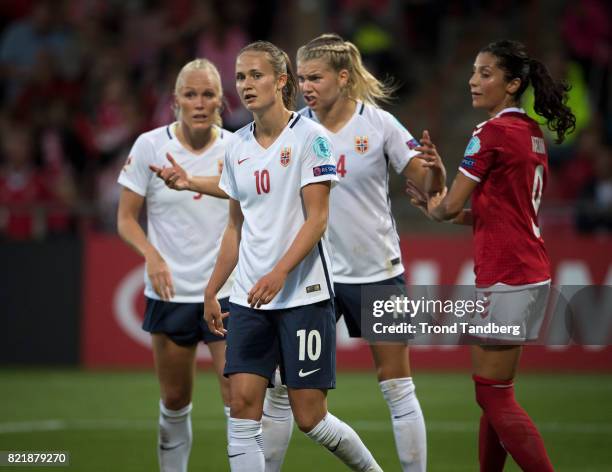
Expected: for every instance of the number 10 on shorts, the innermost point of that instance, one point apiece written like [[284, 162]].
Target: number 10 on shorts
[[310, 343]]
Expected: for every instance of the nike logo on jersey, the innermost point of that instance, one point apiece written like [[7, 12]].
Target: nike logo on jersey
[[301, 373], [240, 161], [236, 455]]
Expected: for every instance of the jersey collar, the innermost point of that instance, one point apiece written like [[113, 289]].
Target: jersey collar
[[504, 111], [510, 110]]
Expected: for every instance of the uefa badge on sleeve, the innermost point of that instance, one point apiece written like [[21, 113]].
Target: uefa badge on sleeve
[[322, 148], [412, 144], [361, 144], [285, 156]]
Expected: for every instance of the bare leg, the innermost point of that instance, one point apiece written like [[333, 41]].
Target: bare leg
[[175, 367], [245, 449]]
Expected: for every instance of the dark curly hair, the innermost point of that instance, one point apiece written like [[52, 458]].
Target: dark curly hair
[[550, 96]]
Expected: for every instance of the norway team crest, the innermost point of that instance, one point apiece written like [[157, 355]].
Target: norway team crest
[[285, 156], [361, 144]]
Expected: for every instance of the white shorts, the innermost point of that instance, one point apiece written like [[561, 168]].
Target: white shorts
[[512, 314]]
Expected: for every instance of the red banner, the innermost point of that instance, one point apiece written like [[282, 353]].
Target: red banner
[[113, 303]]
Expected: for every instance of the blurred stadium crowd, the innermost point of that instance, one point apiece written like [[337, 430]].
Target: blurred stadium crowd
[[80, 79]]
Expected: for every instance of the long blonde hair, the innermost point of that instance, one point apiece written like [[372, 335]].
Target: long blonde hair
[[211, 69], [281, 64], [341, 54]]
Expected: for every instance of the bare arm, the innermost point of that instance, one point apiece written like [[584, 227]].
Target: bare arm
[[176, 178], [430, 179], [130, 205], [464, 218], [441, 206], [228, 253], [316, 203], [420, 200], [451, 207], [226, 262]]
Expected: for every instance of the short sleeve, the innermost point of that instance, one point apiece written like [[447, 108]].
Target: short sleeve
[[227, 183], [317, 160], [481, 151], [136, 174], [399, 144]]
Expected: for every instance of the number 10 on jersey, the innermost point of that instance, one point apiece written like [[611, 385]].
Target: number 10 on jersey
[[262, 181]]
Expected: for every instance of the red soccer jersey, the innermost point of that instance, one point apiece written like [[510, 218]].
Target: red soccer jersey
[[507, 157]]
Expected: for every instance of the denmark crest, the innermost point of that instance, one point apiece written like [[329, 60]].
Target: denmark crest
[[285, 156], [361, 144]]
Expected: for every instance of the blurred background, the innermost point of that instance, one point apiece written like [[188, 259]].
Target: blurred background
[[81, 79]]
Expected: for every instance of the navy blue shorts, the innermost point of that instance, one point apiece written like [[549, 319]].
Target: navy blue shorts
[[300, 340], [182, 322], [348, 301]]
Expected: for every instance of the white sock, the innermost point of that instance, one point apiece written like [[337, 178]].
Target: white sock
[[245, 448], [408, 423], [174, 439], [226, 410], [340, 439], [277, 425]]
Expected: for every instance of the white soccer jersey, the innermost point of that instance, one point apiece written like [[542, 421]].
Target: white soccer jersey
[[268, 183], [362, 233], [185, 227]]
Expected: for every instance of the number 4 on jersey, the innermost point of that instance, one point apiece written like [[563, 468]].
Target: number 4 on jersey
[[341, 166]]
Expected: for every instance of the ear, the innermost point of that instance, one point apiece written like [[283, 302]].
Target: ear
[[343, 78], [281, 81], [513, 86]]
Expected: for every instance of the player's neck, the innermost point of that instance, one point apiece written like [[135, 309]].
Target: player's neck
[[335, 117], [270, 123], [508, 103], [195, 141]]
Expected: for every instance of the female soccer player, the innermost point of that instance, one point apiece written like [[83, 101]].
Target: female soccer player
[[180, 248], [278, 174], [343, 96], [504, 171]]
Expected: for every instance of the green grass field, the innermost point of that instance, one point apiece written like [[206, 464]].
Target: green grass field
[[107, 421]]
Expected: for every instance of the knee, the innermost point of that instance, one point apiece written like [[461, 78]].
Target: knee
[[176, 398], [388, 371], [306, 421], [244, 406]]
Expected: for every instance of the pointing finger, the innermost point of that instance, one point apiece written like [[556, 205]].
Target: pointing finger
[[171, 159]]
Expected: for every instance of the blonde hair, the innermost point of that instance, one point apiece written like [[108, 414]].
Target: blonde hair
[[281, 64], [341, 54], [211, 69]]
